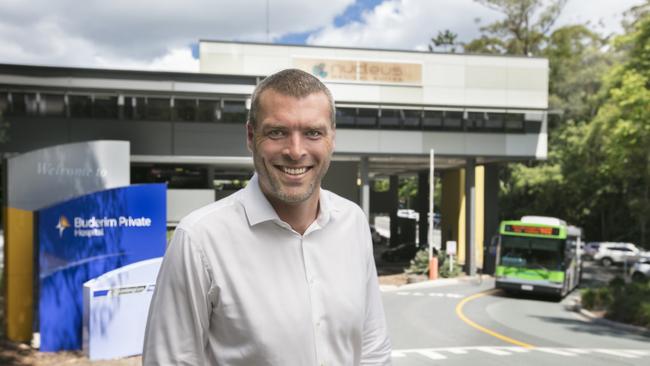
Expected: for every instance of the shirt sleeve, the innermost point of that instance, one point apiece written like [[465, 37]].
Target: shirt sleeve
[[179, 314], [376, 347]]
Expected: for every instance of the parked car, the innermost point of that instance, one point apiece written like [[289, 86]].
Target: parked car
[[640, 271], [617, 253], [591, 249]]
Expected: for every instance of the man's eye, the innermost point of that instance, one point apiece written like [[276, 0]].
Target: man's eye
[[275, 133], [314, 133]]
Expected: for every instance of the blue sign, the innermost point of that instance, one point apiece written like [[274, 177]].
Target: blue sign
[[84, 238]]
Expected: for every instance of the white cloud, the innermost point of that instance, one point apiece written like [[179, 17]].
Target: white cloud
[[407, 24], [149, 34], [121, 33], [410, 24], [604, 16]]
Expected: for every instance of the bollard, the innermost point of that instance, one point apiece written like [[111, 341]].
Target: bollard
[[433, 268]]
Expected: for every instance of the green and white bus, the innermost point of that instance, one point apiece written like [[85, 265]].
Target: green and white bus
[[538, 254]]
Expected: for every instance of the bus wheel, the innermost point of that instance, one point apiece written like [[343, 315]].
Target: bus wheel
[[606, 262]]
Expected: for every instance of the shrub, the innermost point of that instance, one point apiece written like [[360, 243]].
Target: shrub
[[631, 304], [596, 298], [443, 266], [420, 265]]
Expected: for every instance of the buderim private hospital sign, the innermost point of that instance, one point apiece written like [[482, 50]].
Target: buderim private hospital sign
[[86, 237]]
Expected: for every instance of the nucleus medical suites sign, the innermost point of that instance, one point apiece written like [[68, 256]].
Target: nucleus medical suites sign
[[84, 238]]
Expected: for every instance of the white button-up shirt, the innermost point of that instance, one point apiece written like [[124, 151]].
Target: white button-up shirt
[[238, 286]]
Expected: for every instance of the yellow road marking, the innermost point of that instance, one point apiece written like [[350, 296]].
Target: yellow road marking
[[459, 312]]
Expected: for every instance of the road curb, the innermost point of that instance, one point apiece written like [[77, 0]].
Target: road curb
[[577, 307], [429, 283]]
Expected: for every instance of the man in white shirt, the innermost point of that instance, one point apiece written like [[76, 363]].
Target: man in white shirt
[[281, 272]]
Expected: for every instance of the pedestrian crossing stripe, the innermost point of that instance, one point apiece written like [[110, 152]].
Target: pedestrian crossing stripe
[[444, 353]]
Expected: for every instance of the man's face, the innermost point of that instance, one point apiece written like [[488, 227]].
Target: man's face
[[292, 145]]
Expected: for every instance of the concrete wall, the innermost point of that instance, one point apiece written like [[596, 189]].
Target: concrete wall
[[446, 79]]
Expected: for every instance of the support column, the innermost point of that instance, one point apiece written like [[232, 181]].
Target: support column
[[423, 206], [491, 216], [470, 217], [365, 186], [393, 192]]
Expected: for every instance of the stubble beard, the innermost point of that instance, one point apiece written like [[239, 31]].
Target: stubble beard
[[270, 181]]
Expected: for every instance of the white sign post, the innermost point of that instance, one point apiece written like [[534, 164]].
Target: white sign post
[[451, 251]]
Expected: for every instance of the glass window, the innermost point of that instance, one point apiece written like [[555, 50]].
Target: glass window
[[390, 118], [432, 119], [105, 106], [80, 106], [494, 121], [475, 120], [412, 118], [208, 110], [17, 106], [453, 120], [4, 102], [345, 117], [234, 111], [514, 122], [134, 108], [53, 105], [185, 109], [529, 252], [158, 109], [367, 117]]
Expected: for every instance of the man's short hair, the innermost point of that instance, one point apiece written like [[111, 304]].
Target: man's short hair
[[290, 82]]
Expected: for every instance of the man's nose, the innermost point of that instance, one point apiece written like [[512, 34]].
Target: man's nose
[[295, 147]]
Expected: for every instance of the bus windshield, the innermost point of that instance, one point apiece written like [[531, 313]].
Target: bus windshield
[[530, 252]]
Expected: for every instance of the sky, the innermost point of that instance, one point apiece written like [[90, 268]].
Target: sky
[[164, 34]]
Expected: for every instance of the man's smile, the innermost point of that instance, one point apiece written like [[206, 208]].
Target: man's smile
[[297, 171]]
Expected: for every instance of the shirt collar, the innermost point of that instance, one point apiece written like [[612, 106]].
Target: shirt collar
[[258, 208]]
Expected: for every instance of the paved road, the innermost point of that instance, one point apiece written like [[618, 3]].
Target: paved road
[[428, 327]]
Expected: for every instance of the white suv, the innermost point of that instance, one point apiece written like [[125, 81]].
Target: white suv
[[640, 271], [616, 253]]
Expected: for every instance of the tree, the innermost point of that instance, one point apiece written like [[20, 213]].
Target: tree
[[446, 40], [577, 58], [522, 32], [622, 131]]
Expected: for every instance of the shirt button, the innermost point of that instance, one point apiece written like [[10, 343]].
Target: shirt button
[[318, 324]]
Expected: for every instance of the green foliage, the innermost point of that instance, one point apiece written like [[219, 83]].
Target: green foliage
[[596, 298], [631, 304], [443, 266], [598, 170], [420, 265], [408, 190], [627, 303], [523, 30], [445, 40], [381, 185]]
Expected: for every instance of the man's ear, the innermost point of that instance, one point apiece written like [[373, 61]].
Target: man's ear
[[249, 136]]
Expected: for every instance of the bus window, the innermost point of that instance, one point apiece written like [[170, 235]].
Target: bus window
[[532, 252]]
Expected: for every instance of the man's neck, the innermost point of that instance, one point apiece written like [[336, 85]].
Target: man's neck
[[298, 215]]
